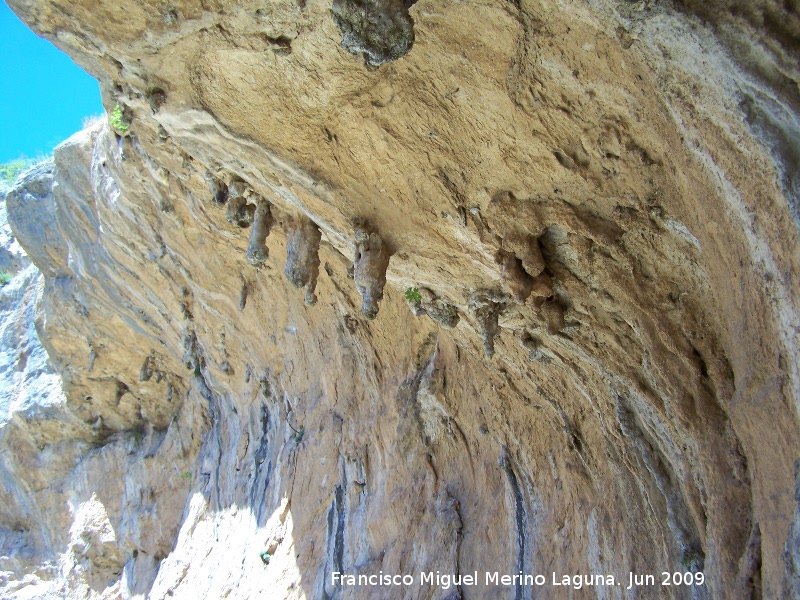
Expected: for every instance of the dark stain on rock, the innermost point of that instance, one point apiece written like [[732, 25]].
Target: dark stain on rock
[[335, 535], [146, 372], [156, 98], [519, 517], [565, 160], [379, 30], [218, 188], [243, 295], [258, 490]]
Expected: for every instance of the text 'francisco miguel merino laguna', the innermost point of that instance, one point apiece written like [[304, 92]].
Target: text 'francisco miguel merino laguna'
[[445, 580]]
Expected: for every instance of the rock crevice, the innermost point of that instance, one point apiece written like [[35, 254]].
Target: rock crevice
[[594, 205]]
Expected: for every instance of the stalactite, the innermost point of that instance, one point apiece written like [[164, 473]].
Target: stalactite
[[302, 256], [370, 264], [257, 251]]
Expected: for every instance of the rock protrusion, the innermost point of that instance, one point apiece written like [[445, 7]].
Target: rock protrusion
[[521, 266], [527, 250], [147, 370], [243, 293], [487, 305], [541, 288], [33, 217], [190, 352], [156, 97], [551, 316], [369, 269], [240, 212], [257, 251], [302, 256], [217, 188], [529, 343], [514, 276], [424, 301], [95, 544], [379, 30]]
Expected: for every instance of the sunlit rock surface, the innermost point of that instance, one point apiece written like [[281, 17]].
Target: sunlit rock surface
[[593, 209]]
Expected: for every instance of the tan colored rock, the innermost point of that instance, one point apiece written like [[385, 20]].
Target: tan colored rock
[[257, 251], [240, 212], [369, 269], [302, 256], [640, 409]]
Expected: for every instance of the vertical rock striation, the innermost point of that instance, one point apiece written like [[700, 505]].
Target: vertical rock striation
[[594, 203]]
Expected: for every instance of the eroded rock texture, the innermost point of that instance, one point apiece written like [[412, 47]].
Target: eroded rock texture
[[597, 206], [257, 250], [302, 256], [369, 269], [379, 30]]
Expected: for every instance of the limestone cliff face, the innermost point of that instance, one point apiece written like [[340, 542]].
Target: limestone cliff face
[[409, 286]]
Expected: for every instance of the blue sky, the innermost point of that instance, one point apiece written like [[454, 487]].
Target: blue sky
[[44, 96]]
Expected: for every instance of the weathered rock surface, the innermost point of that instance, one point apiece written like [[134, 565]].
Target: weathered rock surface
[[600, 203]]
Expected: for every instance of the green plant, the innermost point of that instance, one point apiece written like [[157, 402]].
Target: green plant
[[10, 171], [5, 278], [187, 476], [298, 435], [117, 120], [412, 295], [265, 556]]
